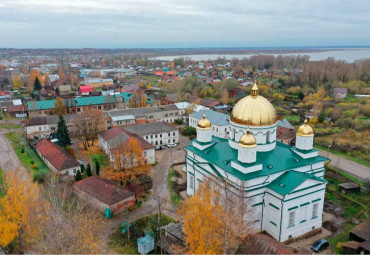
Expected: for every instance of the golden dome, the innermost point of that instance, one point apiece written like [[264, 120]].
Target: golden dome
[[204, 123], [247, 140], [254, 110], [305, 130]]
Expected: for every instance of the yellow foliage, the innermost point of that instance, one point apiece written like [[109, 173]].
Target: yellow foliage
[[17, 82]]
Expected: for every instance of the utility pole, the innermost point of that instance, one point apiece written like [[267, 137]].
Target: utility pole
[[159, 223]]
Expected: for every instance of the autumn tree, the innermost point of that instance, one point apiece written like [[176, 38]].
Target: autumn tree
[[60, 108], [129, 162], [32, 80], [190, 109], [225, 96], [47, 79], [60, 73], [37, 85], [21, 211], [215, 219], [17, 82], [87, 125]]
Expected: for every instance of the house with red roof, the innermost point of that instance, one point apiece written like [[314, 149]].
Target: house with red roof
[[86, 90], [101, 194], [57, 159], [160, 73]]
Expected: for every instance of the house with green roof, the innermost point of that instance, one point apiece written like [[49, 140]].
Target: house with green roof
[[283, 186]]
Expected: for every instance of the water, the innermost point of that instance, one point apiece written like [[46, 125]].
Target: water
[[349, 55]]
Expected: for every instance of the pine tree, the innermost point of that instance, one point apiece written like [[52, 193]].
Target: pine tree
[[88, 170], [97, 167], [37, 84], [78, 176], [62, 133], [82, 168]]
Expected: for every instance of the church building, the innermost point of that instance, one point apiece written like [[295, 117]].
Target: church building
[[284, 185]]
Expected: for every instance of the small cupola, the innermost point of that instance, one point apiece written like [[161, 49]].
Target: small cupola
[[247, 149], [304, 137], [204, 130]]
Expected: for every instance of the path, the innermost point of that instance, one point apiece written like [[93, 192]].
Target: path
[[348, 166]]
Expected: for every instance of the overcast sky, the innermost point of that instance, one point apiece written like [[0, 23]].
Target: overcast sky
[[183, 23]]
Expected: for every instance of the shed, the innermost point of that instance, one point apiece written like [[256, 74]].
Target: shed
[[361, 232], [351, 247], [349, 187]]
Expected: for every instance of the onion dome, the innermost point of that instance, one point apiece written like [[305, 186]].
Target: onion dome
[[305, 130], [204, 123], [247, 140], [254, 110]]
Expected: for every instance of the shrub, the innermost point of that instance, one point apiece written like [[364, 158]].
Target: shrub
[[32, 162], [188, 131], [179, 121], [34, 166]]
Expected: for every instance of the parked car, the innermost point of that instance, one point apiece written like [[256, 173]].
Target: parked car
[[320, 245], [170, 145], [159, 147]]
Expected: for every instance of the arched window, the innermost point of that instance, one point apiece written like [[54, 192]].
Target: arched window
[[268, 137]]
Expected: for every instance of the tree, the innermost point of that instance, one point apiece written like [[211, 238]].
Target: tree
[[17, 82], [60, 73], [225, 96], [88, 170], [87, 125], [32, 78], [21, 211], [37, 84], [300, 95], [190, 109], [97, 167], [47, 79], [82, 168], [129, 162], [62, 133], [60, 108], [215, 219], [78, 176]]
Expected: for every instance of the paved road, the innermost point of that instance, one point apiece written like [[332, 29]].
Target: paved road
[[355, 169]]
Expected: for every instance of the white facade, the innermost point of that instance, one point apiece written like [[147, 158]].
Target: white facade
[[217, 130], [162, 138], [304, 142], [40, 131]]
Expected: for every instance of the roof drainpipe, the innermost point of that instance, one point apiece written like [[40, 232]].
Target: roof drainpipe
[[281, 217]]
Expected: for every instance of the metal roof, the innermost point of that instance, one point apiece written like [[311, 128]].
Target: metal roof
[[126, 117], [215, 118], [149, 128], [280, 159]]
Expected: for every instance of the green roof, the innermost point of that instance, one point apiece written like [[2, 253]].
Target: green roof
[[41, 105], [282, 158], [82, 101], [126, 96], [288, 181]]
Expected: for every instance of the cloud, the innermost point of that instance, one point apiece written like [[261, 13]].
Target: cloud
[[178, 23]]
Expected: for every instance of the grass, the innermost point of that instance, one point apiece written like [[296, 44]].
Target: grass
[[29, 158], [120, 243], [11, 126], [355, 207], [175, 198], [357, 160]]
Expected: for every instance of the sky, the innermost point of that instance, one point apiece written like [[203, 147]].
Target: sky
[[183, 23]]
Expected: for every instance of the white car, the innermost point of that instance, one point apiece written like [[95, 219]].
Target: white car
[[170, 145]]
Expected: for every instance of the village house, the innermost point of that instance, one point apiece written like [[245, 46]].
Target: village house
[[283, 184], [102, 194], [44, 127], [155, 133], [205, 102], [85, 90], [340, 93], [57, 159], [112, 138], [219, 121], [98, 83], [286, 133]]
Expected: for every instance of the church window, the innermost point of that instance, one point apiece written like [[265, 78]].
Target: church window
[[191, 182], [303, 213], [267, 137], [315, 209], [291, 219]]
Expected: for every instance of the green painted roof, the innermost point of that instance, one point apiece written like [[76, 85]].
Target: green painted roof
[[288, 181], [282, 158], [126, 96], [83, 101], [41, 105]]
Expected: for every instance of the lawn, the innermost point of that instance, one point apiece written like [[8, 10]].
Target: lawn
[[11, 126], [29, 158], [175, 198], [355, 207], [294, 119], [120, 243]]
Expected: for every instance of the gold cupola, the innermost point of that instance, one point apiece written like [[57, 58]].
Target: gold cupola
[[254, 110], [247, 140], [204, 123], [305, 129]]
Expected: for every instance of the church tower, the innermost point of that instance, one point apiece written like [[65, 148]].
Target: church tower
[[304, 138], [204, 130], [247, 148]]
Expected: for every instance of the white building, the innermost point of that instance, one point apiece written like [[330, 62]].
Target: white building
[[155, 133], [283, 185], [44, 127], [219, 121]]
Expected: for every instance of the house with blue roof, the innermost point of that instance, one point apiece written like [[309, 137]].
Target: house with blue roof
[[283, 186], [219, 121]]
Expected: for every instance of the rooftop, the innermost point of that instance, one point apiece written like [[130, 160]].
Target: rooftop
[[149, 128], [215, 118], [282, 158]]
